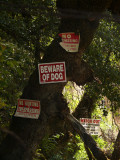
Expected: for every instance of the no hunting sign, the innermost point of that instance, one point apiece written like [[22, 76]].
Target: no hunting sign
[[28, 109]]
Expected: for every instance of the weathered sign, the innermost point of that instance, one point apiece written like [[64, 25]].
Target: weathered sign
[[91, 125], [70, 41], [28, 109], [52, 72]]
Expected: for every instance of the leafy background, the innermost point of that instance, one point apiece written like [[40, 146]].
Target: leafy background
[[21, 25]]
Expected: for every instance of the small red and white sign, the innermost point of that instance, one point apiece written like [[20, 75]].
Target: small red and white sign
[[70, 41], [52, 72], [28, 109], [92, 126]]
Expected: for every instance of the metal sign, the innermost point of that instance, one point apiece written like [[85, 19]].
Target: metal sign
[[70, 41], [52, 72], [92, 126], [28, 109]]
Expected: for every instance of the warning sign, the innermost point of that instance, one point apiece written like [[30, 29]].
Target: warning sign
[[52, 72], [92, 126], [70, 41], [28, 109]]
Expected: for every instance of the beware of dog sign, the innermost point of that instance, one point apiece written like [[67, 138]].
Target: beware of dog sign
[[52, 72]]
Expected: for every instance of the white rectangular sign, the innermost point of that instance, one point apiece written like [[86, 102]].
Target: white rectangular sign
[[92, 126], [28, 109]]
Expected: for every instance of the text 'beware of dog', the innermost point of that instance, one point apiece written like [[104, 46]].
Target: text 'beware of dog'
[[52, 72]]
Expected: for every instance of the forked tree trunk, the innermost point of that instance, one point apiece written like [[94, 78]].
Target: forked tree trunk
[[54, 109]]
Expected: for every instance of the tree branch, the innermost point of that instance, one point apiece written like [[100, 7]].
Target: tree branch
[[87, 139]]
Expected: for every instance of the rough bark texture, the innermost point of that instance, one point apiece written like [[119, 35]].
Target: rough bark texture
[[116, 152], [53, 106]]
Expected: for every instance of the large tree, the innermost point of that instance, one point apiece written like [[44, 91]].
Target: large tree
[[30, 25]]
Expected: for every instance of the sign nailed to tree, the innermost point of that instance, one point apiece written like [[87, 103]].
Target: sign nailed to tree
[[28, 109], [52, 72], [70, 41], [91, 125]]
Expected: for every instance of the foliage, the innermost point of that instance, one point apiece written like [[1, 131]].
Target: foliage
[[26, 28], [29, 21], [104, 57], [81, 153], [2, 104], [73, 94], [58, 147], [16, 67]]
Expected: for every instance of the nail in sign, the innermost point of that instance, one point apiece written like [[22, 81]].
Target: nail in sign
[[52, 72], [28, 109], [70, 41]]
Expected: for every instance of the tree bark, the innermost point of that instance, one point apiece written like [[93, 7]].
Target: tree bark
[[53, 106], [116, 152], [85, 107]]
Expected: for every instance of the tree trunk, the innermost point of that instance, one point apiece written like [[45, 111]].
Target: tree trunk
[[116, 152], [53, 106]]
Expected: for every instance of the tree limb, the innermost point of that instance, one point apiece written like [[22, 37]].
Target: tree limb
[[87, 139]]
